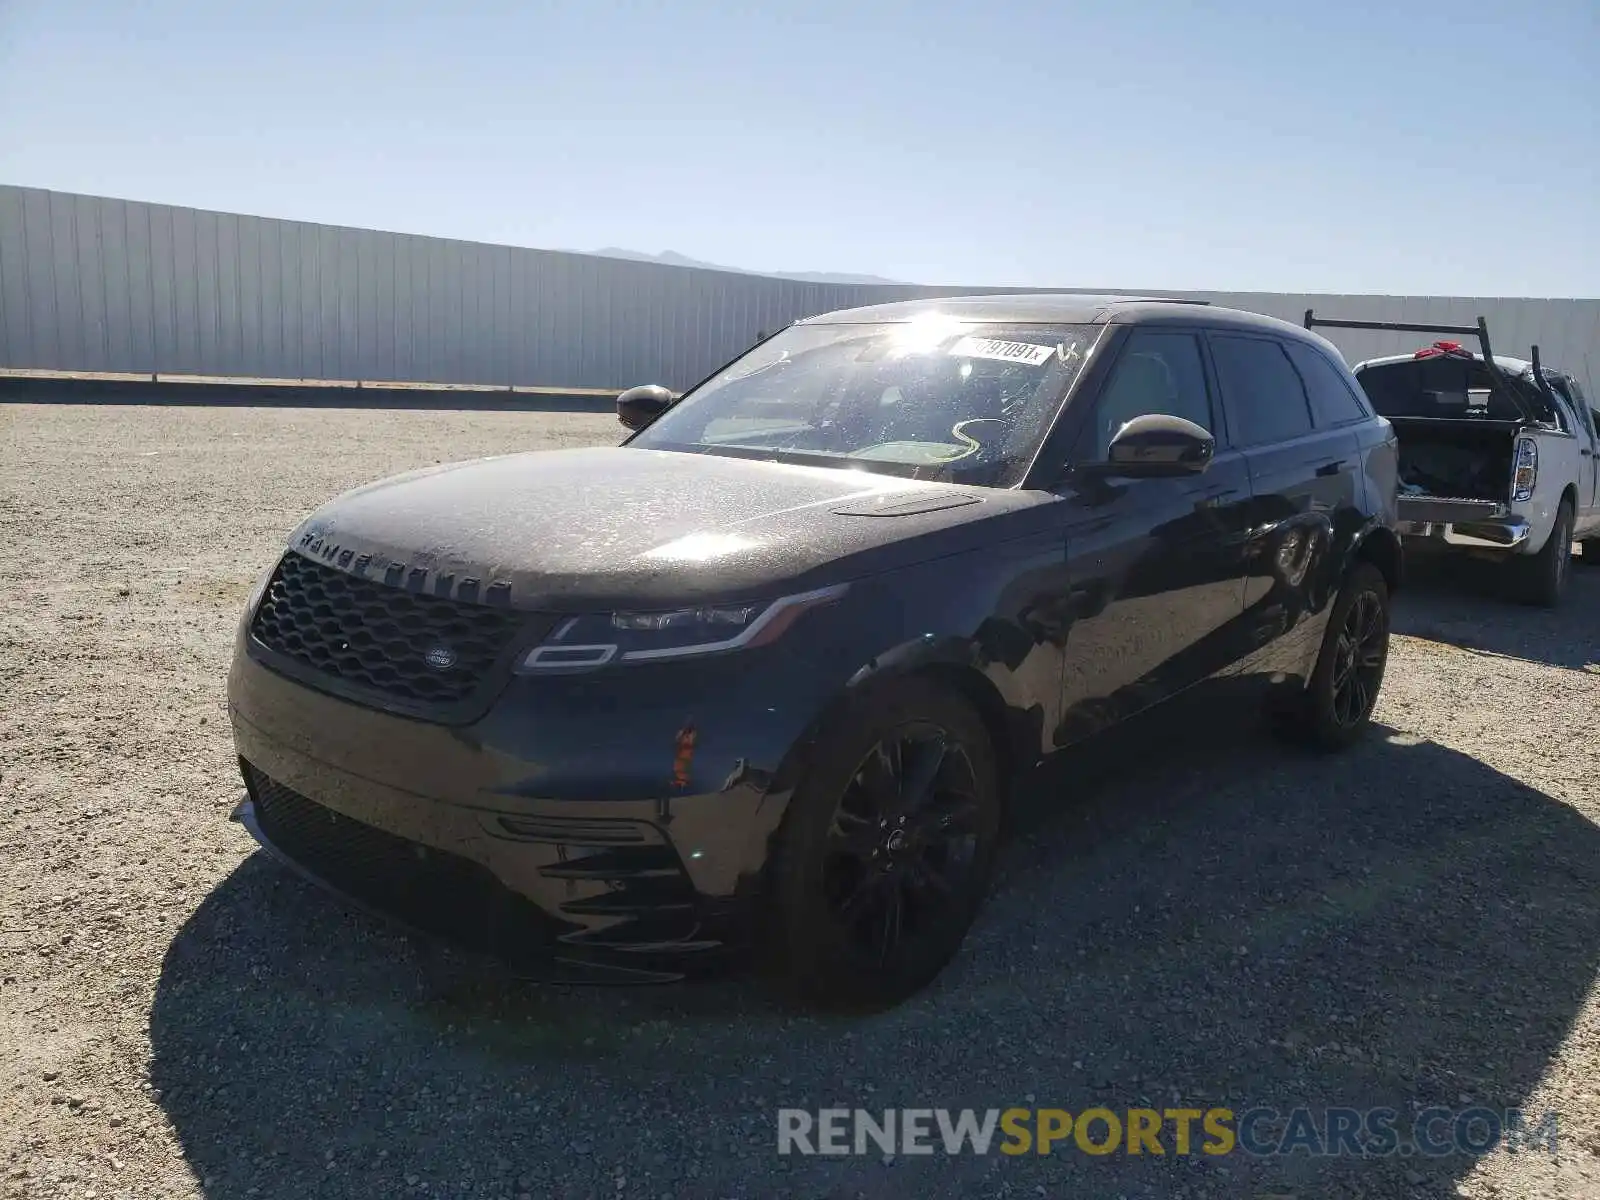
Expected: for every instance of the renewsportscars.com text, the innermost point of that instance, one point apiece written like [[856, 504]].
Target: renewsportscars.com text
[[1366, 1133]]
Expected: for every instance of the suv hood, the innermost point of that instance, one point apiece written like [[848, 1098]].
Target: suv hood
[[562, 530]]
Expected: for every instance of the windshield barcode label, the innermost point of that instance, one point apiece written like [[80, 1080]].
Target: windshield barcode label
[[1019, 352]]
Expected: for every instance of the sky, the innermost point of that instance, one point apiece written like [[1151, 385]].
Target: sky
[[1363, 146]]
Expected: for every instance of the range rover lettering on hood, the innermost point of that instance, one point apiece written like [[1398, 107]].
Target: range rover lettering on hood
[[447, 584]]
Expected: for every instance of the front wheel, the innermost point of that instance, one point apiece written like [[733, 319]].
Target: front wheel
[[1338, 702], [885, 853]]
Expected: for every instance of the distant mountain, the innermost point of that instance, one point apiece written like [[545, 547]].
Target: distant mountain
[[673, 259]]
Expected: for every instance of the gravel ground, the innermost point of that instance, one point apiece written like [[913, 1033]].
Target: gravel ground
[[1221, 923]]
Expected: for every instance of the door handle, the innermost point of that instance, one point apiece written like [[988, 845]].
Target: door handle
[[1586, 452], [1331, 468]]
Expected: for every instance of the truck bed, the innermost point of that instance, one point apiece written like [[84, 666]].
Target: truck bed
[[1452, 462]]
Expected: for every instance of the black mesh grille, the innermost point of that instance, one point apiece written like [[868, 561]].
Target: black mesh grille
[[422, 650]]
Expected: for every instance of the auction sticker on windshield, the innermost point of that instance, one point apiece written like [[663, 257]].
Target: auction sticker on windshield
[[1018, 352]]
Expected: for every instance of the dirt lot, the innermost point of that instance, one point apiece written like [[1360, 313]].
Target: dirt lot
[[1225, 923]]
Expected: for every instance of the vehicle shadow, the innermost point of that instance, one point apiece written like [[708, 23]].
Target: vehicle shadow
[[1188, 916], [1463, 603]]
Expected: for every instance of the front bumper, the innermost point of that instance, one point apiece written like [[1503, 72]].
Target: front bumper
[[487, 918], [565, 838]]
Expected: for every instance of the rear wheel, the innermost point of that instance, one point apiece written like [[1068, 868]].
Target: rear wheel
[[886, 850], [1337, 705], [1542, 578]]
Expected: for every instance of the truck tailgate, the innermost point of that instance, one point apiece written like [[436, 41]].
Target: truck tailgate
[[1448, 510]]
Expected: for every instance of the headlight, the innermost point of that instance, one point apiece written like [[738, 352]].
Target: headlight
[[1527, 470], [260, 588], [584, 643]]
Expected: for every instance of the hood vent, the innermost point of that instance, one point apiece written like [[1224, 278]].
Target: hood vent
[[897, 504]]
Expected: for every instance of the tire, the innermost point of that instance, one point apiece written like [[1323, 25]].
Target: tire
[[1336, 707], [1541, 578], [857, 860]]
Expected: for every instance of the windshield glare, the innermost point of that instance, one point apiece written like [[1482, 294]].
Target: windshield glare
[[931, 398]]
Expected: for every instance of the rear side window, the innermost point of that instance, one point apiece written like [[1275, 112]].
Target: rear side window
[[1265, 398], [1332, 400]]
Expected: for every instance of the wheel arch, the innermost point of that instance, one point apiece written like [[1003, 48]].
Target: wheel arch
[[1380, 546], [1569, 497], [1009, 741], [954, 664]]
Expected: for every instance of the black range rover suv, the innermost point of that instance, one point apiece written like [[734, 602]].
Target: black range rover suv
[[764, 674]]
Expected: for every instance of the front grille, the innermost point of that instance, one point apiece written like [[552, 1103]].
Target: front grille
[[430, 889], [424, 651]]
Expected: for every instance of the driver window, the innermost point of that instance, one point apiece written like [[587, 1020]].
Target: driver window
[[1159, 372]]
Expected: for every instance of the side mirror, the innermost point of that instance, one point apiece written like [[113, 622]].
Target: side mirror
[[638, 406], [1156, 446]]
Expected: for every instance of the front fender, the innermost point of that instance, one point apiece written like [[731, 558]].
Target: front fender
[[990, 624]]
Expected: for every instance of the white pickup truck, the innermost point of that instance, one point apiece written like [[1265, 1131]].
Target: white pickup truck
[[1499, 457]]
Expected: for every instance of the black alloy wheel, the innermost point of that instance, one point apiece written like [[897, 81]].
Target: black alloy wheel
[[904, 837], [1359, 654], [1336, 707], [886, 848]]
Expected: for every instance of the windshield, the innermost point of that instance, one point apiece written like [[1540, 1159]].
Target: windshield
[[932, 399]]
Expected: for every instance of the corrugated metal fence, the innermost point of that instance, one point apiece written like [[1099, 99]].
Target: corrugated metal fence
[[94, 284]]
